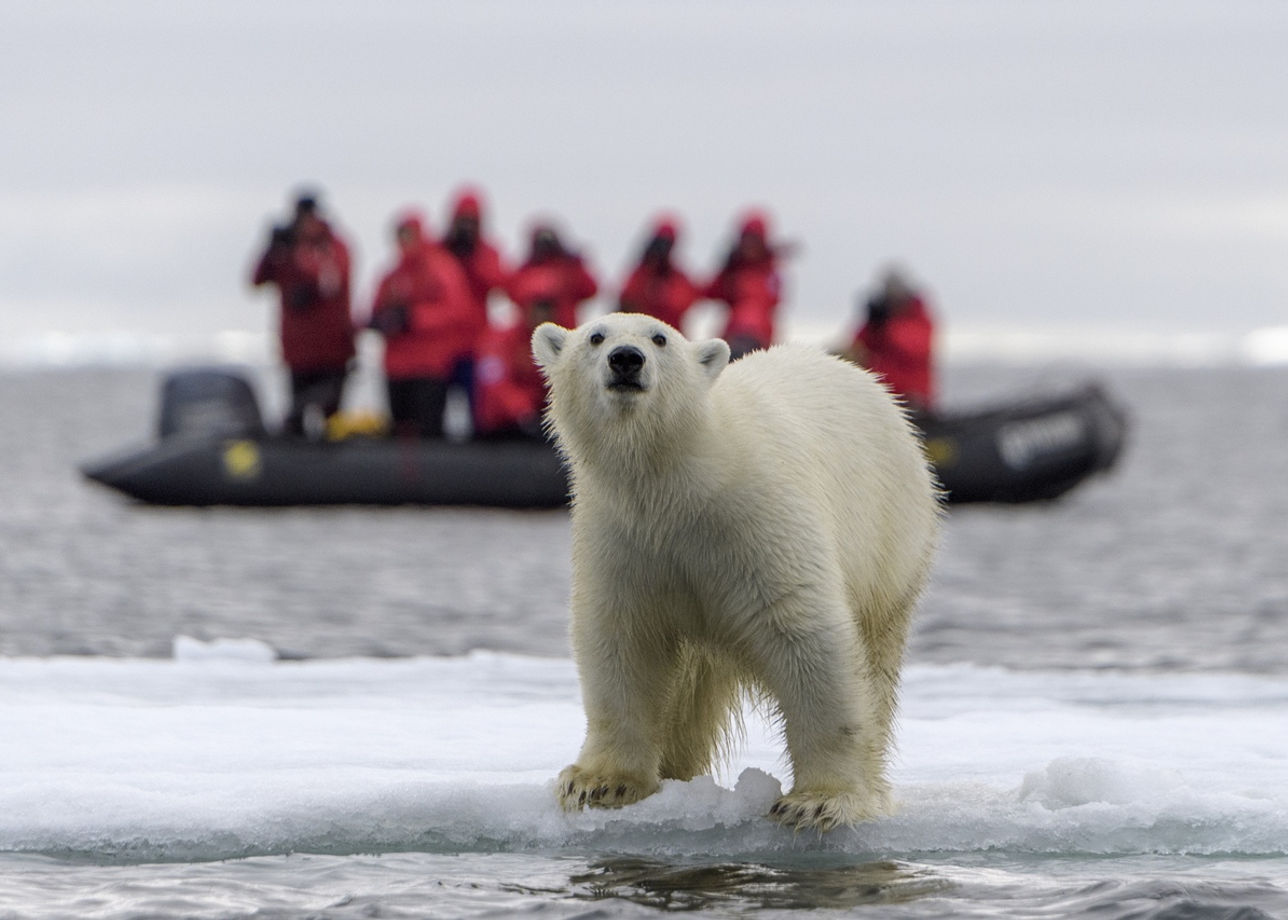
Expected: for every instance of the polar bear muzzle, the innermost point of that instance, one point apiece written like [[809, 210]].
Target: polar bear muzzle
[[625, 363]]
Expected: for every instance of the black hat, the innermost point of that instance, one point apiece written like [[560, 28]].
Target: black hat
[[306, 202]]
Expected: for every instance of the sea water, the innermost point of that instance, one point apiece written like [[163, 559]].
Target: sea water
[[358, 712]]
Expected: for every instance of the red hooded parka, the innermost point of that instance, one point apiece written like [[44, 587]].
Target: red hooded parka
[[311, 273], [899, 351], [657, 286], [479, 259], [557, 276], [750, 285], [424, 308]]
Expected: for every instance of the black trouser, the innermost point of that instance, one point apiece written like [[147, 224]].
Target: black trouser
[[322, 389], [417, 404], [463, 377]]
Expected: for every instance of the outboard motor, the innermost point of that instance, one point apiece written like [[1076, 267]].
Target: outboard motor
[[208, 402]]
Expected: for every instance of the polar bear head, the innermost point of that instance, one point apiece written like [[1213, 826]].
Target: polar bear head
[[623, 381]]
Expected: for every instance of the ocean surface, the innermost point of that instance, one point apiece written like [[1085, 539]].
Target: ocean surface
[[341, 713]]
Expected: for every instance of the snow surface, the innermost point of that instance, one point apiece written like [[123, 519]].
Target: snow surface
[[225, 752]]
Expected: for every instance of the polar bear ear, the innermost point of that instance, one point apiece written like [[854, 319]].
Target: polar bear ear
[[713, 356], [547, 341]]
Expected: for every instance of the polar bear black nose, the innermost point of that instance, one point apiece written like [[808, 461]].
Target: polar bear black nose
[[626, 361]]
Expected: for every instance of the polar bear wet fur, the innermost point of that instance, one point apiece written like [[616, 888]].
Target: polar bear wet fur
[[762, 527]]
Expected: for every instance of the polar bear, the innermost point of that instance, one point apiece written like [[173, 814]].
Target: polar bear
[[765, 526]]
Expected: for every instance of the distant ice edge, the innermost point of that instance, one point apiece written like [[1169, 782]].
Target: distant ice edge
[[1018, 345]]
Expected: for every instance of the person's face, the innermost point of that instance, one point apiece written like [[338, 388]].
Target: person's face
[[897, 292], [659, 250], [541, 311], [466, 225], [545, 245], [407, 238], [751, 246], [307, 223]]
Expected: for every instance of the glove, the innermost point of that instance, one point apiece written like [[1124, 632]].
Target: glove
[[282, 236], [390, 321], [304, 297]]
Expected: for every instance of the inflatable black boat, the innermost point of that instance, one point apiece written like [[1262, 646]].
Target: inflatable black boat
[[213, 449]]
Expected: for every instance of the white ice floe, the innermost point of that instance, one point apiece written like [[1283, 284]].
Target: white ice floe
[[222, 752]]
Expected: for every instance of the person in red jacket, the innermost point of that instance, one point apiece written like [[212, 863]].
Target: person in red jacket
[[510, 387], [657, 286], [896, 341], [484, 272], [423, 308], [750, 285], [308, 262], [552, 271]]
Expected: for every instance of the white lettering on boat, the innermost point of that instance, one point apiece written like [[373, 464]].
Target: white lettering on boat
[[1020, 443]]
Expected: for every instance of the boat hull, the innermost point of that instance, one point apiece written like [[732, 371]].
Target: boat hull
[[1034, 451], [268, 471]]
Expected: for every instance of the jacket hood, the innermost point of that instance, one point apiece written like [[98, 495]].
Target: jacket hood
[[468, 204]]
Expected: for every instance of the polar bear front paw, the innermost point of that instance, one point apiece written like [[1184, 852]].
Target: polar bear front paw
[[579, 787], [824, 811]]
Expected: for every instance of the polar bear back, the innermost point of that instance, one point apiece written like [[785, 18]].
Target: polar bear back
[[824, 401], [832, 434]]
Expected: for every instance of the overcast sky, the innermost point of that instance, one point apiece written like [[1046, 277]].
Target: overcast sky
[[1100, 163]]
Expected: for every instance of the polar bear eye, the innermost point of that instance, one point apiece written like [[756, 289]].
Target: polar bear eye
[[659, 340], [596, 338]]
